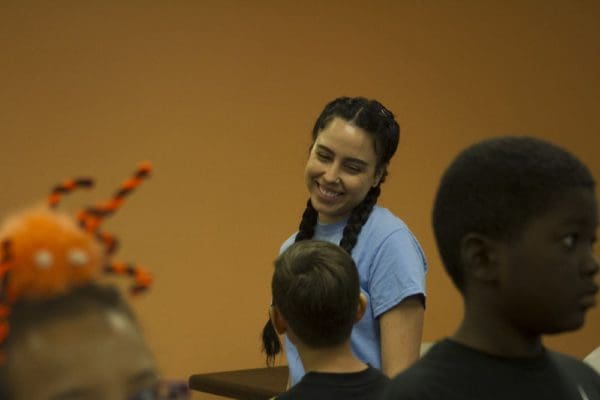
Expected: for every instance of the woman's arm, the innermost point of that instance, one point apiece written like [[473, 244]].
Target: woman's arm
[[401, 329]]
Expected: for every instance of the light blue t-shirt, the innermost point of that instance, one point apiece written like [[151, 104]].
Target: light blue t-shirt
[[391, 266]]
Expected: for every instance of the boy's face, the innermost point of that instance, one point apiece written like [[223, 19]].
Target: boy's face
[[547, 272]]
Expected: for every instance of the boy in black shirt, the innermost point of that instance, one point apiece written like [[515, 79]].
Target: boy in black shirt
[[515, 220], [316, 301]]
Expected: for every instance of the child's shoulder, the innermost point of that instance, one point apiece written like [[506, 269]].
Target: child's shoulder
[[581, 374], [574, 366], [453, 371]]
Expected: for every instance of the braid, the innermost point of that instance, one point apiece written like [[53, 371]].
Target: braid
[[270, 340], [271, 345], [357, 219], [307, 224]]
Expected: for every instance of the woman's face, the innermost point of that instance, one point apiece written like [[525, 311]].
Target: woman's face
[[341, 169], [93, 356]]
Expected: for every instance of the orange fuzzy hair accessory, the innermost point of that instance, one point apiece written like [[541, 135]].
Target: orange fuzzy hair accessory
[[45, 253]]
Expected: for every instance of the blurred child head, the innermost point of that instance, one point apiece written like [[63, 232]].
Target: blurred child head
[[83, 344], [515, 221], [62, 335], [316, 294]]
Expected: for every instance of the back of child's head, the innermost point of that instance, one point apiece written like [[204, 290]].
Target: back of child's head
[[315, 287], [496, 187]]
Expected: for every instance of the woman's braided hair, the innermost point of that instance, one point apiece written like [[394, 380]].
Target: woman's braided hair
[[372, 117]]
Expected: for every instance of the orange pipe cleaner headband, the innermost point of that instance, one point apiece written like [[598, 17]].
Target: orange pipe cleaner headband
[[44, 253]]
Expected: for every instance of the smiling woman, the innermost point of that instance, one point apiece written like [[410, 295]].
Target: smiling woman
[[354, 139]]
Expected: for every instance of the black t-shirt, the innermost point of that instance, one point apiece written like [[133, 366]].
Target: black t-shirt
[[368, 384], [451, 371]]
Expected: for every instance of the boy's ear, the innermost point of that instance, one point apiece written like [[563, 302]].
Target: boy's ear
[[362, 307], [277, 320], [479, 257]]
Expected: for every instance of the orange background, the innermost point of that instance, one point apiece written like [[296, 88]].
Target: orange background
[[221, 96]]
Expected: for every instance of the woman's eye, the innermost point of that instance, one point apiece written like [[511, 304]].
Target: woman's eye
[[354, 169], [323, 156]]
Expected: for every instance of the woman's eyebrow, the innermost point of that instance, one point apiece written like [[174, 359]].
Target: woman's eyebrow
[[323, 147], [347, 159], [356, 161]]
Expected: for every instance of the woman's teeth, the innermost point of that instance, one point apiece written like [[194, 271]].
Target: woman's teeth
[[328, 193]]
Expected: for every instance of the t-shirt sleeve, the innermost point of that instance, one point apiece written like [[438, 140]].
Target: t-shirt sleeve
[[288, 242], [291, 353], [397, 272]]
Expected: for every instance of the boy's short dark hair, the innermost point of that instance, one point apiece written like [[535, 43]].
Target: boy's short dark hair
[[495, 187], [316, 288]]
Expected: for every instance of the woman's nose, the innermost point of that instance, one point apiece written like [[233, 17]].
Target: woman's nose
[[331, 174]]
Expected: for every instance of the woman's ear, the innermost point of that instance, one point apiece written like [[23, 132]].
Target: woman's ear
[[379, 174], [362, 306], [277, 320]]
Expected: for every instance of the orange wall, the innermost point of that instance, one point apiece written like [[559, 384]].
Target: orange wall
[[221, 96]]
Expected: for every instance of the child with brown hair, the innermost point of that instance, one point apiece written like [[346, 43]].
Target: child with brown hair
[[316, 302]]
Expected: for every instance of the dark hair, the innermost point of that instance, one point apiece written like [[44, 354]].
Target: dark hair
[[372, 117], [28, 314], [495, 187], [315, 287]]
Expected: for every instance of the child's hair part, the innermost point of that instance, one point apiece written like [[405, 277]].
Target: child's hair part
[[315, 287], [496, 187]]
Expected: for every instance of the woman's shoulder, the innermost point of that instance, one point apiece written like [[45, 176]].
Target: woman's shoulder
[[387, 229], [288, 242], [384, 221]]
